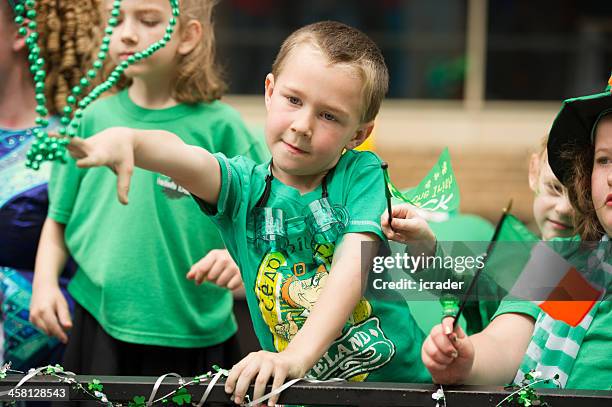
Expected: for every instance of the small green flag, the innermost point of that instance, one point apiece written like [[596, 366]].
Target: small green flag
[[513, 230], [511, 252], [437, 192]]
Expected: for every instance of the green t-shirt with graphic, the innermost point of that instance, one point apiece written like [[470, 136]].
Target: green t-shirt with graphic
[[380, 341], [133, 259]]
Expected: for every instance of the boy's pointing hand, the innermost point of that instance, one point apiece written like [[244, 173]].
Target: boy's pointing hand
[[112, 148]]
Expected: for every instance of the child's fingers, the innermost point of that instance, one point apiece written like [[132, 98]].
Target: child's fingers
[[63, 314], [235, 282], [216, 271], [37, 320], [75, 152], [199, 270], [53, 326], [447, 325], [407, 226], [384, 219], [235, 371], [384, 223], [262, 380], [228, 274], [202, 267], [403, 211], [431, 364], [458, 332], [435, 353], [124, 176], [244, 380], [76, 142], [445, 346], [76, 147], [430, 345], [280, 374], [225, 277], [87, 161]]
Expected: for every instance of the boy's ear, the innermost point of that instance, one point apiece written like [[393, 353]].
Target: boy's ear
[[534, 171], [362, 133], [190, 35], [269, 86]]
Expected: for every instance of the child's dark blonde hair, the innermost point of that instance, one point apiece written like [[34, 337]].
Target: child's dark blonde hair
[[199, 77], [342, 44]]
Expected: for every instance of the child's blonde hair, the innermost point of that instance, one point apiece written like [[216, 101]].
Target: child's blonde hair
[[537, 160], [542, 153], [342, 44], [199, 77]]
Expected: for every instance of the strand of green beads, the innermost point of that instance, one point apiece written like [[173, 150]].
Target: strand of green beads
[[46, 148], [25, 16]]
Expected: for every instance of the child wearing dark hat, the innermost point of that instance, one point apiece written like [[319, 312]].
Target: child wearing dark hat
[[580, 155]]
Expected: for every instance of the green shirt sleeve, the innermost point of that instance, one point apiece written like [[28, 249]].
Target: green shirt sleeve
[[365, 199], [517, 307], [235, 181]]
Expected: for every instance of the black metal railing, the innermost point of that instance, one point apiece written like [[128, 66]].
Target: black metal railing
[[124, 388]]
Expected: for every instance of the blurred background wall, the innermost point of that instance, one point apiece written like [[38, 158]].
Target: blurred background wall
[[483, 77]]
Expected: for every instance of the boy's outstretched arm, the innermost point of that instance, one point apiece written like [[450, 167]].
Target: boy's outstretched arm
[[120, 149], [342, 292]]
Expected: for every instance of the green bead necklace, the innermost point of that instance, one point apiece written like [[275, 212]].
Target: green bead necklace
[[45, 147]]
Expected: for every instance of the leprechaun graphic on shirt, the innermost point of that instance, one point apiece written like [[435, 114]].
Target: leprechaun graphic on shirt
[[287, 293]]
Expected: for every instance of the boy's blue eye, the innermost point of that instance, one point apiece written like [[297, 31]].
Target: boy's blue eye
[[293, 100], [329, 116]]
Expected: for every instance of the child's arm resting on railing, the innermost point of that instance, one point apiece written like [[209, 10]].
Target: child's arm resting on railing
[[120, 149], [342, 292]]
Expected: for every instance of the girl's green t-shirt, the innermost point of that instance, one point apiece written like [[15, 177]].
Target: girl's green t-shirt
[[133, 259]]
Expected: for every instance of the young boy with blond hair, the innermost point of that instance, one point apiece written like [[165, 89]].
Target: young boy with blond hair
[[296, 225], [552, 210]]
